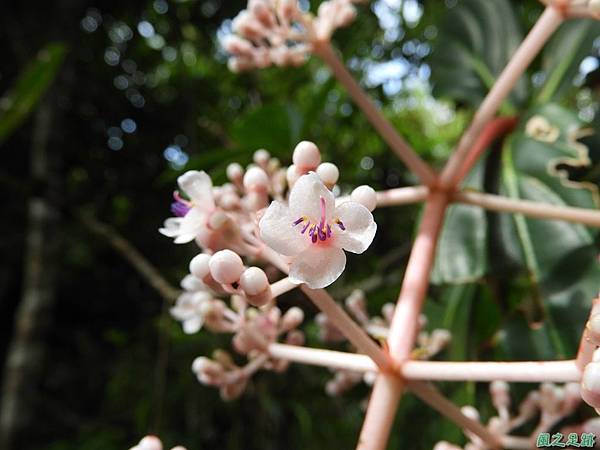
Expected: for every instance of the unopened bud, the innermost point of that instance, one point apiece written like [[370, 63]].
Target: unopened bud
[[261, 157], [306, 156], [292, 318], [226, 266], [529, 406], [572, 398], [328, 173], [357, 305], [388, 311], [150, 443], [590, 384], [292, 175], [199, 265], [366, 196], [217, 220], [255, 285], [500, 394], [256, 179], [235, 173]]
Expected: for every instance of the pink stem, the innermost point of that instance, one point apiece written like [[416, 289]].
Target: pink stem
[[529, 208], [586, 346], [389, 134], [282, 286], [388, 389], [526, 372], [529, 48], [514, 372], [397, 196]]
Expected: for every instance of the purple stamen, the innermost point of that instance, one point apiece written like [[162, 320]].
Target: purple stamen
[[298, 221], [314, 238], [180, 209], [341, 225], [322, 234], [305, 227], [328, 230]]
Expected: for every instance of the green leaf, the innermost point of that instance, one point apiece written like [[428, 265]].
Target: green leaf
[[21, 99], [461, 254], [476, 40], [562, 56], [275, 127], [559, 257]]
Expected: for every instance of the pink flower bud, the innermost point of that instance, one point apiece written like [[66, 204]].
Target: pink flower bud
[[593, 329], [288, 9], [356, 304], [150, 443], [306, 156], [261, 10], [500, 394], [329, 173], [292, 318], [443, 445], [388, 311], [292, 175], [256, 286], [199, 265], [590, 384], [470, 412], [233, 390], [235, 173], [226, 266], [261, 157], [366, 196], [254, 281], [179, 447], [529, 406], [256, 179], [237, 46]]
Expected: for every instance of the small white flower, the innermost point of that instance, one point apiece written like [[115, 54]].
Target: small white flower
[[193, 213], [316, 233], [188, 308]]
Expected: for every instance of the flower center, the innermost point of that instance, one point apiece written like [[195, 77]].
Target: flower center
[[318, 230], [180, 207]]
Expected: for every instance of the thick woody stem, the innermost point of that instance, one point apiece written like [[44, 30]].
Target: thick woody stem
[[586, 347], [389, 134], [529, 48], [529, 208], [387, 390]]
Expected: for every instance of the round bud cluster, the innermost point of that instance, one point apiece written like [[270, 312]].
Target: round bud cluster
[[366, 196], [254, 283], [277, 32]]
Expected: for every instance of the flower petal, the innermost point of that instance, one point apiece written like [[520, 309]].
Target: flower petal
[[198, 186], [305, 198], [190, 226], [318, 266], [192, 325], [171, 227], [191, 283], [360, 228], [278, 232]]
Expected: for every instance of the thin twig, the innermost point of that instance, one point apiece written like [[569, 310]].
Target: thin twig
[[132, 255]]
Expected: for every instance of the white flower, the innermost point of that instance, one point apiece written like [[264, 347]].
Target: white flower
[[316, 233], [188, 308], [193, 213]]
